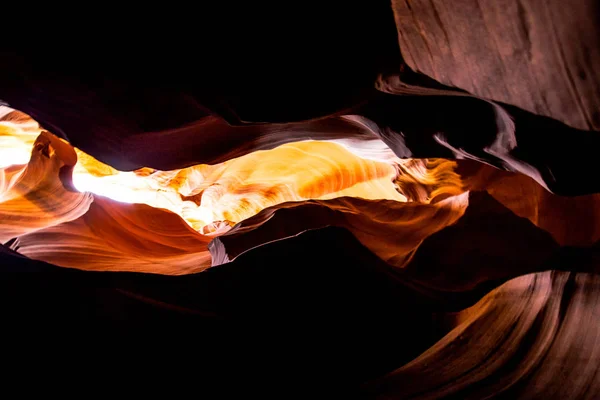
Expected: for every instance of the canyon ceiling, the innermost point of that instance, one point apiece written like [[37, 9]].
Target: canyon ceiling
[[385, 199]]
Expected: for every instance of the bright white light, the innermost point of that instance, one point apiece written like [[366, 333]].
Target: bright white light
[[125, 187], [10, 157]]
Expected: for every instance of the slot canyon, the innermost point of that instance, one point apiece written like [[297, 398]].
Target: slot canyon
[[372, 200]]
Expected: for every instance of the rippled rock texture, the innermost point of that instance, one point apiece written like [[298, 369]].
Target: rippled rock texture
[[391, 200]]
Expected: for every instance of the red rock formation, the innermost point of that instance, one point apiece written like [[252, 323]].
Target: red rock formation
[[398, 200]]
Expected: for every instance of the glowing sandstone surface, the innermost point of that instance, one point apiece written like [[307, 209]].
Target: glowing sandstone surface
[[47, 200], [60, 205], [230, 192]]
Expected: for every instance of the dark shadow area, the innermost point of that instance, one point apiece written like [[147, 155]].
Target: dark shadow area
[[311, 313]]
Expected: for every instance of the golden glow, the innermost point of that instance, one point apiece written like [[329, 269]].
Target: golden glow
[[17, 134], [231, 191], [165, 221], [239, 188]]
